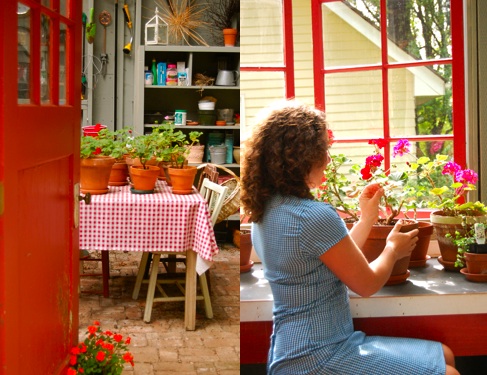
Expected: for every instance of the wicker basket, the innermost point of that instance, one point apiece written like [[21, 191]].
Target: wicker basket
[[231, 204]]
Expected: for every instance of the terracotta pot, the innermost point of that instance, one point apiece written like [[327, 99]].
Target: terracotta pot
[[95, 173], [419, 256], [476, 263], [163, 165], [144, 180], [375, 244], [182, 179], [245, 251], [229, 37], [119, 174], [449, 225], [136, 162], [196, 153]]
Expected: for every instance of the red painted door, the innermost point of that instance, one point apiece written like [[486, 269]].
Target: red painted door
[[39, 157]]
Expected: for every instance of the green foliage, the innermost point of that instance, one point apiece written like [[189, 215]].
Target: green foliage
[[107, 143], [406, 189], [102, 352], [164, 144]]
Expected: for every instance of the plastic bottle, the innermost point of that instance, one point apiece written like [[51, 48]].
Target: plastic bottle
[[148, 77], [154, 72], [171, 75]]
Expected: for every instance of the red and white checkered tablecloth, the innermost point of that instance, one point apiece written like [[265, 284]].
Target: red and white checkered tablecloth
[[121, 220]]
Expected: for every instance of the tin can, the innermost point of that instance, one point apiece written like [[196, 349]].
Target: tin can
[[180, 117]]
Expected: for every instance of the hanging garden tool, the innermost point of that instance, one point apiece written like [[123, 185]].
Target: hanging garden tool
[[91, 27], [84, 81], [105, 19], [128, 47]]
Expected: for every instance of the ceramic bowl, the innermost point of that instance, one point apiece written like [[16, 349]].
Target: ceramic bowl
[[206, 105]]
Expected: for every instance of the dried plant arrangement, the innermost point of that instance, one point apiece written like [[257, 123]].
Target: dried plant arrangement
[[201, 80], [183, 17]]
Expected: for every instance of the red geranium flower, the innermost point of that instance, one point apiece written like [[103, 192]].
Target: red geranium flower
[[100, 356]]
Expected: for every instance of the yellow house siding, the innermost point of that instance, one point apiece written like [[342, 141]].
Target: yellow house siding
[[353, 100]]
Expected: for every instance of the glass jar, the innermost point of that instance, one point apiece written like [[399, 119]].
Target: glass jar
[[172, 75]]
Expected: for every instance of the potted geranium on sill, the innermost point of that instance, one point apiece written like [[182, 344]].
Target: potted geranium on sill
[[399, 200], [102, 352], [408, 189]]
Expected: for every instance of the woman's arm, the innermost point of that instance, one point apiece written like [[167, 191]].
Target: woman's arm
[[348, 263], [369, 207]]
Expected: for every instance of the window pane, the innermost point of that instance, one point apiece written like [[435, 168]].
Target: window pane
[[354, 104], [260, 89], [418, 30], [62, 63], [263, 31], [420, 101], [63, 4], [349, 37], [23, 54], [45, 52]]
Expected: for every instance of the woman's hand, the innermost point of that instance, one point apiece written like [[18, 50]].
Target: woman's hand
[[402, 244], [369, 202]]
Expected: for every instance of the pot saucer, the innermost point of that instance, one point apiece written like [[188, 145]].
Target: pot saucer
[[449, 266], [398, 279], [476, 277], [419, 263], [247, 267], [134, 191]]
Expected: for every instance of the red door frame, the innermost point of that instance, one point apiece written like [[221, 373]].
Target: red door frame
[[39, 144]]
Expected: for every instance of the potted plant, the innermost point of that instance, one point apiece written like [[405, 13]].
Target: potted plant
[[173, 147], [95, 165], [472, 251], [224, 17], [102, 352], [399, 200], [119, 149], [242, 238], [408, 188], [144, 175]]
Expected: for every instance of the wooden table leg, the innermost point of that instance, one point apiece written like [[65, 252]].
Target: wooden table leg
[[190, 302]]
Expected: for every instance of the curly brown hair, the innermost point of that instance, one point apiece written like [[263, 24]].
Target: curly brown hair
[[284, 147]]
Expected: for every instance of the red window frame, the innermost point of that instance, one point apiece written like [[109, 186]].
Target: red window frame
[[458, 78], [288, 58]]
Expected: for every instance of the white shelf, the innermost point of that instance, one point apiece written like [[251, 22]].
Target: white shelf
[[196, 49]]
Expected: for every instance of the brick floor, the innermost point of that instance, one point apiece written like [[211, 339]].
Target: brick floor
[[164, 346]]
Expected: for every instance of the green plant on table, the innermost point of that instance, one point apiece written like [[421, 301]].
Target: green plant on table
[[102, 352], [143, 147], [106, 143], [173, 146]]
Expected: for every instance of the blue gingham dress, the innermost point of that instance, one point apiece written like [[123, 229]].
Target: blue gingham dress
[[313, 329]]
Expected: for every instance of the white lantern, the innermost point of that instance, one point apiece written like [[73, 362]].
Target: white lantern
[[156, 30]]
